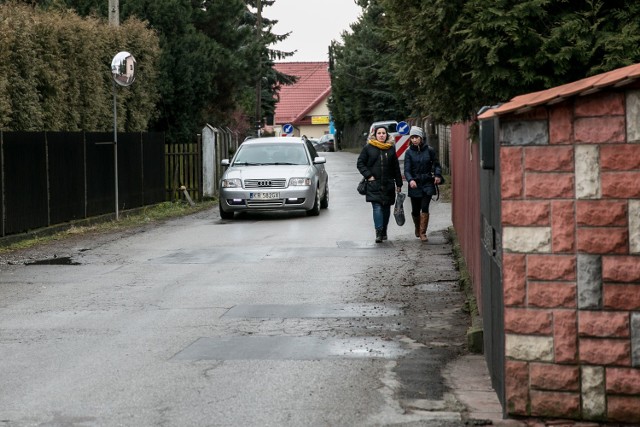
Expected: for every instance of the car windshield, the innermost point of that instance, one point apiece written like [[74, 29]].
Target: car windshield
[[271, 154]]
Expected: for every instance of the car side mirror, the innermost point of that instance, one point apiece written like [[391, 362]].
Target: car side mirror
[[319, 160], [224, 162]]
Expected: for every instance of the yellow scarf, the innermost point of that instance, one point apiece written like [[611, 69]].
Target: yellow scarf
[[381, 145]]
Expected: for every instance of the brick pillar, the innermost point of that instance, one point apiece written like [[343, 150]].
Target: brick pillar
[[570, 180]]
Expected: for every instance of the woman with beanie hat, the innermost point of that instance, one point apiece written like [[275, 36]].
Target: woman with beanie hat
[[379, 164], [423, 172]]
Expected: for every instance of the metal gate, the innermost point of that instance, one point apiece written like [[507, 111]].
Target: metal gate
[[491, 255]]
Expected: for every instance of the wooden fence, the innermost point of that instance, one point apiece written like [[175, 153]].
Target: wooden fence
[[183, 163]]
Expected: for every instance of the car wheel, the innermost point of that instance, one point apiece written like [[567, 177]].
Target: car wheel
[[324, 203], [315, 210], [223, 213]]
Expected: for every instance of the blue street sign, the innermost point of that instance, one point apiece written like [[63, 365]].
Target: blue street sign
[[288, 128], [403, 128]]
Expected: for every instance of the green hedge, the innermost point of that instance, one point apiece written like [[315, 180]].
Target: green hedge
[[55, 72]]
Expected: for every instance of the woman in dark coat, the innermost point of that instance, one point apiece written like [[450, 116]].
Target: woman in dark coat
[[422, 171], [379, 164]]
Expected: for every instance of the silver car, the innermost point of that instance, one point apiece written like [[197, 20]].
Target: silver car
[[278, 173]]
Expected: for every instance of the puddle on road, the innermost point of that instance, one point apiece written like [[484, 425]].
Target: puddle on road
[[289, 348], [64, 260]]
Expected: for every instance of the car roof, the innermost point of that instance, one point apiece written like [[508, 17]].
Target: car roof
[[272, 139], [385, 122]]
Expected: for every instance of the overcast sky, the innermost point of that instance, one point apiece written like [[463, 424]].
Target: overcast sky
[[313, 24]]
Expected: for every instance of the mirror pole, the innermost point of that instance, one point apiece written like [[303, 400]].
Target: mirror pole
[[122, 71], [115, 147]]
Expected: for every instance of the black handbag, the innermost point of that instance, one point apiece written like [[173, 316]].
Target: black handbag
[[362, 187]]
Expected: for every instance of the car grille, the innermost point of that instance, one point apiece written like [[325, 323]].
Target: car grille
[[265, 183], [265, 203]]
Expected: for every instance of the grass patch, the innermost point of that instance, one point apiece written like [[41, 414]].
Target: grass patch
[[466, 285], [128, 219], [475, 333]]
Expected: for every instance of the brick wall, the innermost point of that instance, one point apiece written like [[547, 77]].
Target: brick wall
[[570, 178]]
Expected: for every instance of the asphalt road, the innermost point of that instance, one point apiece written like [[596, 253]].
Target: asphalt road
[[264, 320]]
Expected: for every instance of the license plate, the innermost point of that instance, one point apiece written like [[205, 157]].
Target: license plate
[[264, 196]]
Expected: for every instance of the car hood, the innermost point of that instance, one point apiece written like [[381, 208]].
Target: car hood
[[262, 172]]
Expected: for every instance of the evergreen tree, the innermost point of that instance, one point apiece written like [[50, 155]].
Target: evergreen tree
[[197, 71], [458, 55], [263, 63], [363, 83]]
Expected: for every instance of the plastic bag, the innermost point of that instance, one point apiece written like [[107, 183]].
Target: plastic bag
[[398, 209]]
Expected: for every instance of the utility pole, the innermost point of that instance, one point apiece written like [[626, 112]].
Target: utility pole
[[114, 21], [259, 83], [114, 13]]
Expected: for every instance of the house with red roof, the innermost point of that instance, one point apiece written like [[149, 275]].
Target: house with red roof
[[304, 104]]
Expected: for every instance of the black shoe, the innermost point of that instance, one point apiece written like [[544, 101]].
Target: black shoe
[[378, 236], [384, 234]]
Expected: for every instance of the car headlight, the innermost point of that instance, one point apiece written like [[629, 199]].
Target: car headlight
[[231, 183], [300, 181]]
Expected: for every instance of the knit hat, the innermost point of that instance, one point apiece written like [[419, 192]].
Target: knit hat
[[415, 130]]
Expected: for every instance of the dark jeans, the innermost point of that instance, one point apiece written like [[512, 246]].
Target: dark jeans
[[420, 204], [381, 215]]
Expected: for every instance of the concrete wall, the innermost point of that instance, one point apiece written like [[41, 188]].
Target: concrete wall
[[571, 258], [217, 144], [209, 164]]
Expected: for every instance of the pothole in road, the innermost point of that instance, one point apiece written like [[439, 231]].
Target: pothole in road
[[64, 260]]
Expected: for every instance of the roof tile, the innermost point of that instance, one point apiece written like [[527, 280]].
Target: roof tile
[[585, 86]]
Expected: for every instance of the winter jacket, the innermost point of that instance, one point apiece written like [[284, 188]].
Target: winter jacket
[[421, 164], [383, 165]]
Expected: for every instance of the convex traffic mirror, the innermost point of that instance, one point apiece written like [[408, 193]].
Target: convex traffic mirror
[[123, 68]]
